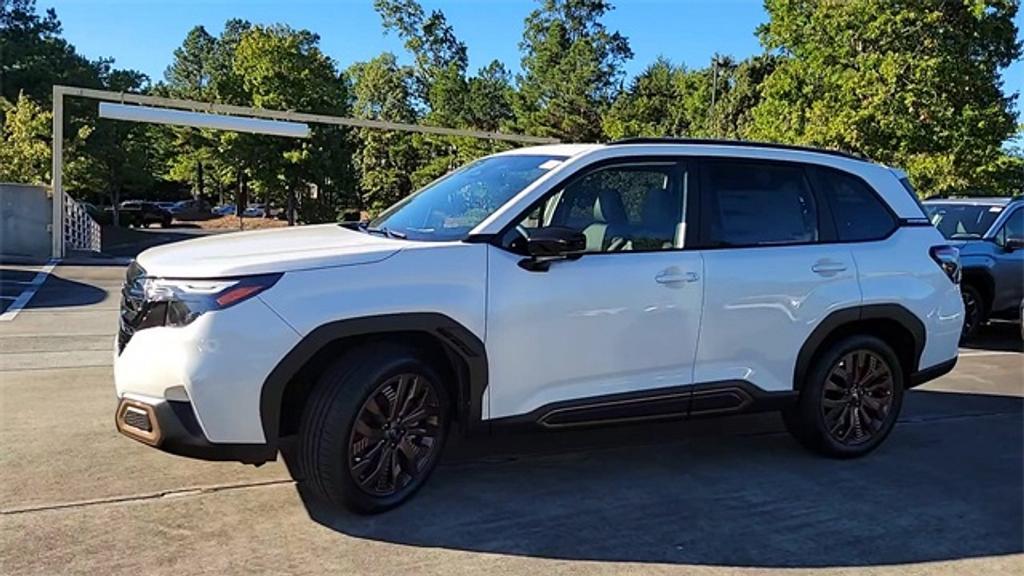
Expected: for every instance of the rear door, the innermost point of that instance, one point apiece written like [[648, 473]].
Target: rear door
[[772, 270]]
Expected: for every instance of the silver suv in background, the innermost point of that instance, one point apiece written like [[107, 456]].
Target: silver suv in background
[[990, 235]]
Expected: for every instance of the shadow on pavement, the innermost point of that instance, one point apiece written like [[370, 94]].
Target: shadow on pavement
[[60, 292], [733, 492], [997, 336], [55, 291], [129, 242]]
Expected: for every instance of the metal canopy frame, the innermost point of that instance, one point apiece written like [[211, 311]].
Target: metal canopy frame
[[240, 112]]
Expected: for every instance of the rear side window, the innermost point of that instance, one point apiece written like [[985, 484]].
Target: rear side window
[[757, 204], [859, 214]]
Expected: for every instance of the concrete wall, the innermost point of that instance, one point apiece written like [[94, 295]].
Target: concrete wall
[[24, 221]]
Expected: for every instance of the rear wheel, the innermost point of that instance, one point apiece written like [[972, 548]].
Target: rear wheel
[[374, 428], [850, 400]]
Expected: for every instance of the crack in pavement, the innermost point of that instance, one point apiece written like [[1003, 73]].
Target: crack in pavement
[[176, 492]]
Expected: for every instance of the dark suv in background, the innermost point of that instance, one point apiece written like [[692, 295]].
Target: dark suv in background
[[990, 235]]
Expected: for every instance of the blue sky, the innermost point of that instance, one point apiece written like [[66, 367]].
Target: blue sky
[[143, 35]]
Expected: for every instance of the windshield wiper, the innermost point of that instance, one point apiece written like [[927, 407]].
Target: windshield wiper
[[385, 231]]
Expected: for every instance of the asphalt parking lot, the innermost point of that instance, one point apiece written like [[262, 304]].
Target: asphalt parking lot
[[945, 494]]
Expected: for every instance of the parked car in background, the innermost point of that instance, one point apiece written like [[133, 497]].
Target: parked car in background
[[100, 215], [255, 211], [192, 210], [552, 287], [989, 233], [224, 210], [140, 213]]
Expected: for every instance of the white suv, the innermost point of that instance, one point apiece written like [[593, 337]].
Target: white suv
[[556, 286]]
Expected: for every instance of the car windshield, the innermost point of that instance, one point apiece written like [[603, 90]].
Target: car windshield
[[962, 221], [448, 208]]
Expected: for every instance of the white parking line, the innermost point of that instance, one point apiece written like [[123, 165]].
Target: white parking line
[[26, 295], [973, 353]]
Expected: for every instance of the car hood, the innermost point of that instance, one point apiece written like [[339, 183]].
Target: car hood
[[267, 251]]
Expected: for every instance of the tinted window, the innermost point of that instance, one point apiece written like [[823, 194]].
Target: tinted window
[[1013, 228], [962, 221], [618, 209], [752, 204], [859, 214]]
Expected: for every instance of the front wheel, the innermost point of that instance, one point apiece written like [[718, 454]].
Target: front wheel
[[373, 429], [850, 400], [974, 311]]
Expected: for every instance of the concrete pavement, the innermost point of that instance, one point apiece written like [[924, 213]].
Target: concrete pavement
[[945, 494]]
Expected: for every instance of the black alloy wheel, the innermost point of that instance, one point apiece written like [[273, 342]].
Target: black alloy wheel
[[374, 427], [849, 399], [857, 397], [394, 438]]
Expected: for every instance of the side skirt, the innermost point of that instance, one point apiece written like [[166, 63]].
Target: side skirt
[[675, 403]]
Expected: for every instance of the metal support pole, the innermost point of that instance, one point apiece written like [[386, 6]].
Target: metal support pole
[[56, 185]]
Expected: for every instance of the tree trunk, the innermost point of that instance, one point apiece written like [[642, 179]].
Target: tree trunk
[[200, 185], [291, 206], [241, 199]]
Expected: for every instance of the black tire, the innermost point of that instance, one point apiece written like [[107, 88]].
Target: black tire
[[975, 311], [847, 376], [347, 400]]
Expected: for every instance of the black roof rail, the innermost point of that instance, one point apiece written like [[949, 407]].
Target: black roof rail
[[740, 143]]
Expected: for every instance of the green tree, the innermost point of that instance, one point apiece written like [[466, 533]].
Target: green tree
[[655, 104], [571, 68], [34, 57], [24, 142], [914, 83], [284, 69], [385, 160], [191, 76], [118, 157]]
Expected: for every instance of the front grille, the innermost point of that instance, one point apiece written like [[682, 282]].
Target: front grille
[[137, 419]]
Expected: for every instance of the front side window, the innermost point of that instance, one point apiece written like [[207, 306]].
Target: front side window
[[962, 221], [859, 214], [1012, 228], [622, 208], [450, 207], [757, 204]]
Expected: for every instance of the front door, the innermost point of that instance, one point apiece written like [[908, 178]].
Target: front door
[[622, 318], [1008, 268]]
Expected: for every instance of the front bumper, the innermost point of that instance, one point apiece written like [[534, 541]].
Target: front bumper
[[171, 426], [217, 365]]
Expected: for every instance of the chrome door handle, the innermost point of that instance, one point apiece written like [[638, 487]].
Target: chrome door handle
[[828, 267], [674, 278]]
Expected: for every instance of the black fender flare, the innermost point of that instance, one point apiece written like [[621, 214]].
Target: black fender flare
[[839, 318], [455, 338]]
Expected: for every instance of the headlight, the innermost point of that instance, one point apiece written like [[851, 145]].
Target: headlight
[[172, 302]]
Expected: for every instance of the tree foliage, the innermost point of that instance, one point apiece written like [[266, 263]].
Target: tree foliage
[[571, 66], [24, 142], [915, 83]]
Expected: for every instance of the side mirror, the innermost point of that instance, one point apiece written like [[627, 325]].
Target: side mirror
[[546, 245], [1012, 244]]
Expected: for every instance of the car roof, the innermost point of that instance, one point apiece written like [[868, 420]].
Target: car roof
[[567, 150], [570, 150], [972, 201]]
